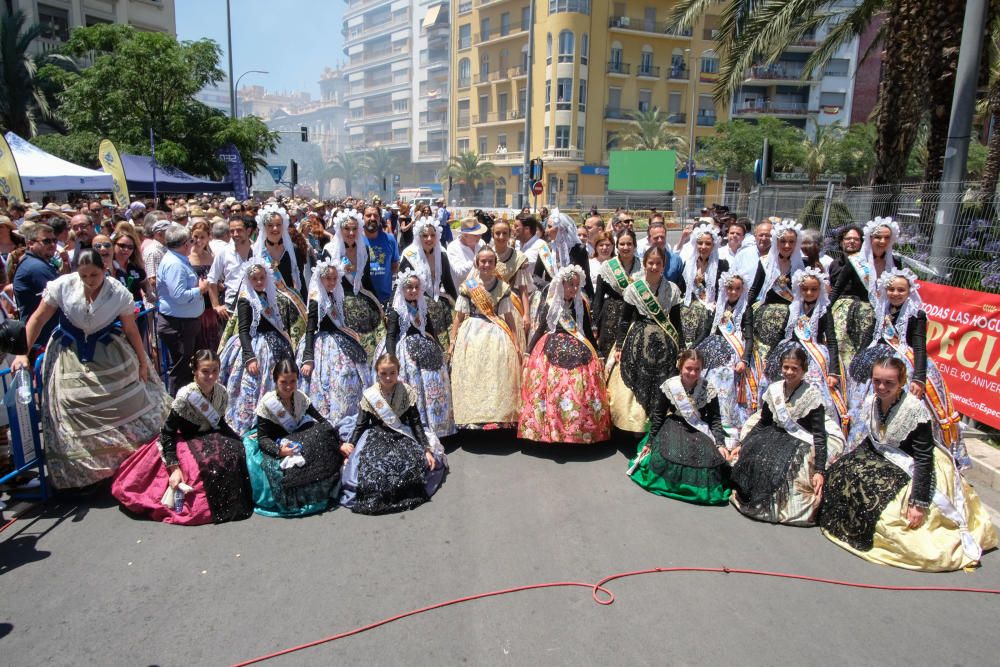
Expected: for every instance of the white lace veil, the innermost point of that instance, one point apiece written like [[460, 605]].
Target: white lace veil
[[400, 306], [270, 310], [418, 257], [772, 268], [822, 301], [910, 307], [566, 236], [336, 249], [327, 304], [869, 254], [557, 302], [722, 300], [260, 246], [711, 268]]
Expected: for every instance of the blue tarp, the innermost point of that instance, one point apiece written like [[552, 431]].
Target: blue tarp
[[139, 176]]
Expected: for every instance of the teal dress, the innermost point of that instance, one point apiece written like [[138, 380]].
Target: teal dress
[[684, 463]]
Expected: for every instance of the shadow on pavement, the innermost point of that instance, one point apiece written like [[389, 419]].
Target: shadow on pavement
[[502, 442], [5, 629], [568, 453]]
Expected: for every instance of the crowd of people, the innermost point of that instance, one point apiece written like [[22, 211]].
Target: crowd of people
[[318, 352]]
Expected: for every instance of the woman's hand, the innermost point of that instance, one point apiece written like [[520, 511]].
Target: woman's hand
[[817, 484], [253, 368], [734, 453], [221, 312], [20, 361], [915, 516], [917, 389], [307, 369], [286, 450], [346, 449], [832, 381], [143, 371], [176, 477], [724, 453], [618, 356], [740, 368], [431, 463]]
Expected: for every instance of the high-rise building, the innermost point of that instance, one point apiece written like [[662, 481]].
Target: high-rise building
[[595, 62], [58, 17], [397, 74]]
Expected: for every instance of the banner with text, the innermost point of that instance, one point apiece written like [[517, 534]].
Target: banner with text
[[237, 174], [963, 332]]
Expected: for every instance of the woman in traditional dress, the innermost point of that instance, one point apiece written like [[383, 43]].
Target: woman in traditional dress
[[294, 455], [899, 499], [781, 464], [901, 332], [722, 354], [563, 248], [395, 464], [807, 326], [683, 455], [701, 284], [410, 337], [262, 341], [427, 257], [485, 354], [771, 297], [274, 243], [334, 366], [616, 275], [563, 398], [856, 293], [512, 268], [196, 454], [101, 399], [349, 251], [647, 345]]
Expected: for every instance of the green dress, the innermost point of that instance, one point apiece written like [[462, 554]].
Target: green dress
[[684, 462]]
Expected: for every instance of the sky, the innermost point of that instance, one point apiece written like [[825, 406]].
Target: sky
[[293, 40]]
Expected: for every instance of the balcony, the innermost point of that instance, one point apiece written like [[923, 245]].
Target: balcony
[[567, 154], [366, 32], [678, 73], [436, 59], [385, 55], [430, 150], [779, 71], [510, 157], [619, 68], [433, 121], [805, 43], [648, 72], [508, 116], [617, 113], [358, 6], [463, 121], [707, 120], [642, 24], [501, 32], [381, 85], [487, 3], [778, 108], [378, 114], [464, 83]]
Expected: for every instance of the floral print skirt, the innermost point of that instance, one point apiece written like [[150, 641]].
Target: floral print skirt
[[340, 373], [422, 366], [246, 390]]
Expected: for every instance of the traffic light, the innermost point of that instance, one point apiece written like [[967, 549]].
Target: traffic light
[[305, 132], [294, 169]]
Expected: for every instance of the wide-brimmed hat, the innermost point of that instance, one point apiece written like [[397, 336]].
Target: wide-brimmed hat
[[31, 214], [472, 226], [161, 226], [66, 208]]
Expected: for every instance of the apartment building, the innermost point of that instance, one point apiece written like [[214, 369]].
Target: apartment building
[[397, 82], [595, 61], [58, 17]]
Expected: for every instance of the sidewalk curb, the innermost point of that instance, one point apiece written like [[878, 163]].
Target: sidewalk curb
[[986, 463]]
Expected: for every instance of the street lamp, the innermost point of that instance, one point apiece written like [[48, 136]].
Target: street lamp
[[692, 184], [236, 88]]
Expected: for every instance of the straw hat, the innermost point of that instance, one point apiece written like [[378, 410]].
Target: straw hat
[[472, 226]]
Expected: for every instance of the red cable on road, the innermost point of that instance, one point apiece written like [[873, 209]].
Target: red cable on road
[[598, 590]]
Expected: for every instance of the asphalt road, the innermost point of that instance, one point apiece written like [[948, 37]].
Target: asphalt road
[[87, 584]]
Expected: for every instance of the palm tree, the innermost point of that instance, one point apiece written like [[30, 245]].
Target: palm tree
[[23, 102], [989, 111], [648, 132], [380, 163], [346, 166], [819, 150], [469, 171]]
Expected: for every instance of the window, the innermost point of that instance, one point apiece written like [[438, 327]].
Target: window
[[649, 19], [400, 134], [465, 36], [615, 63], [611, 141], [502, 140], [484, 67], [614, 98], [709, 63], [584, 48], [564, 93], [562, 136], [580, 132], [571, 186], [678, 67], [583, 95], [505, 24], [578, 6], [548, 48], [464, 73], [832, 99], [400, 106], [504, 63], [674, 102], [502, 106], [463, 114], [525, 17], [520, 140], [484, 108], [645, 99], [548, 93], [646, 61], [484, 29], [483, 146], [838, 67], [524, 59], [463, 146], [566, 46], [545, 143], [54, 22]]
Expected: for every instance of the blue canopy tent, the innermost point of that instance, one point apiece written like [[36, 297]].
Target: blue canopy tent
[[139, 177]]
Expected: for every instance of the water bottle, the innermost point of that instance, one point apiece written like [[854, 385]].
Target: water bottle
[[23, 380], [178, 499]]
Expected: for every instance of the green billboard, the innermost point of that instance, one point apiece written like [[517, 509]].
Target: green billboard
[[641, 171]]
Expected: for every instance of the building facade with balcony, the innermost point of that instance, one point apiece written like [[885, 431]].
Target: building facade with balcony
[[59, 17], [431, 63], [595, 63]]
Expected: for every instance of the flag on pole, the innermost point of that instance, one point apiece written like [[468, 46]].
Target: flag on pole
[[108, 156], [10, 179]]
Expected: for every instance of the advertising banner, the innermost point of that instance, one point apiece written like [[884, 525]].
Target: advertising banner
[[963, 338], [10, 180], [237, 174], [108, 156]]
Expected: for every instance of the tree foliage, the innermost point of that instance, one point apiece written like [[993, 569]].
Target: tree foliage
[[737, 143], [348, 167], [141, 81], [648, 132], [469, 171], [380, 163]]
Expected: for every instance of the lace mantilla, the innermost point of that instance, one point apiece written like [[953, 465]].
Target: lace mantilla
[[801, 402], [904, 418]]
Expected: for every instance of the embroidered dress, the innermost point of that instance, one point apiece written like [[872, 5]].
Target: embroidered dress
[[211, 458], [513, 270], [783, 446], [422, 363], [439, 285], [340, 368], [868, 492], [648, 338], [286, 486], [722, 351], [701, 287], [388, 471], [685, 432], [609, 300], [563, 398], [94, 409], [486, 362]]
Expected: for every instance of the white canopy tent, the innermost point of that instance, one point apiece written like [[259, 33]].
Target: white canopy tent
[[41, 171]]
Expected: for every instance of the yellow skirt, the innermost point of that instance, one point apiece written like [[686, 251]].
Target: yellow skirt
[[936, 546], [485, 376], [626, 413]]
